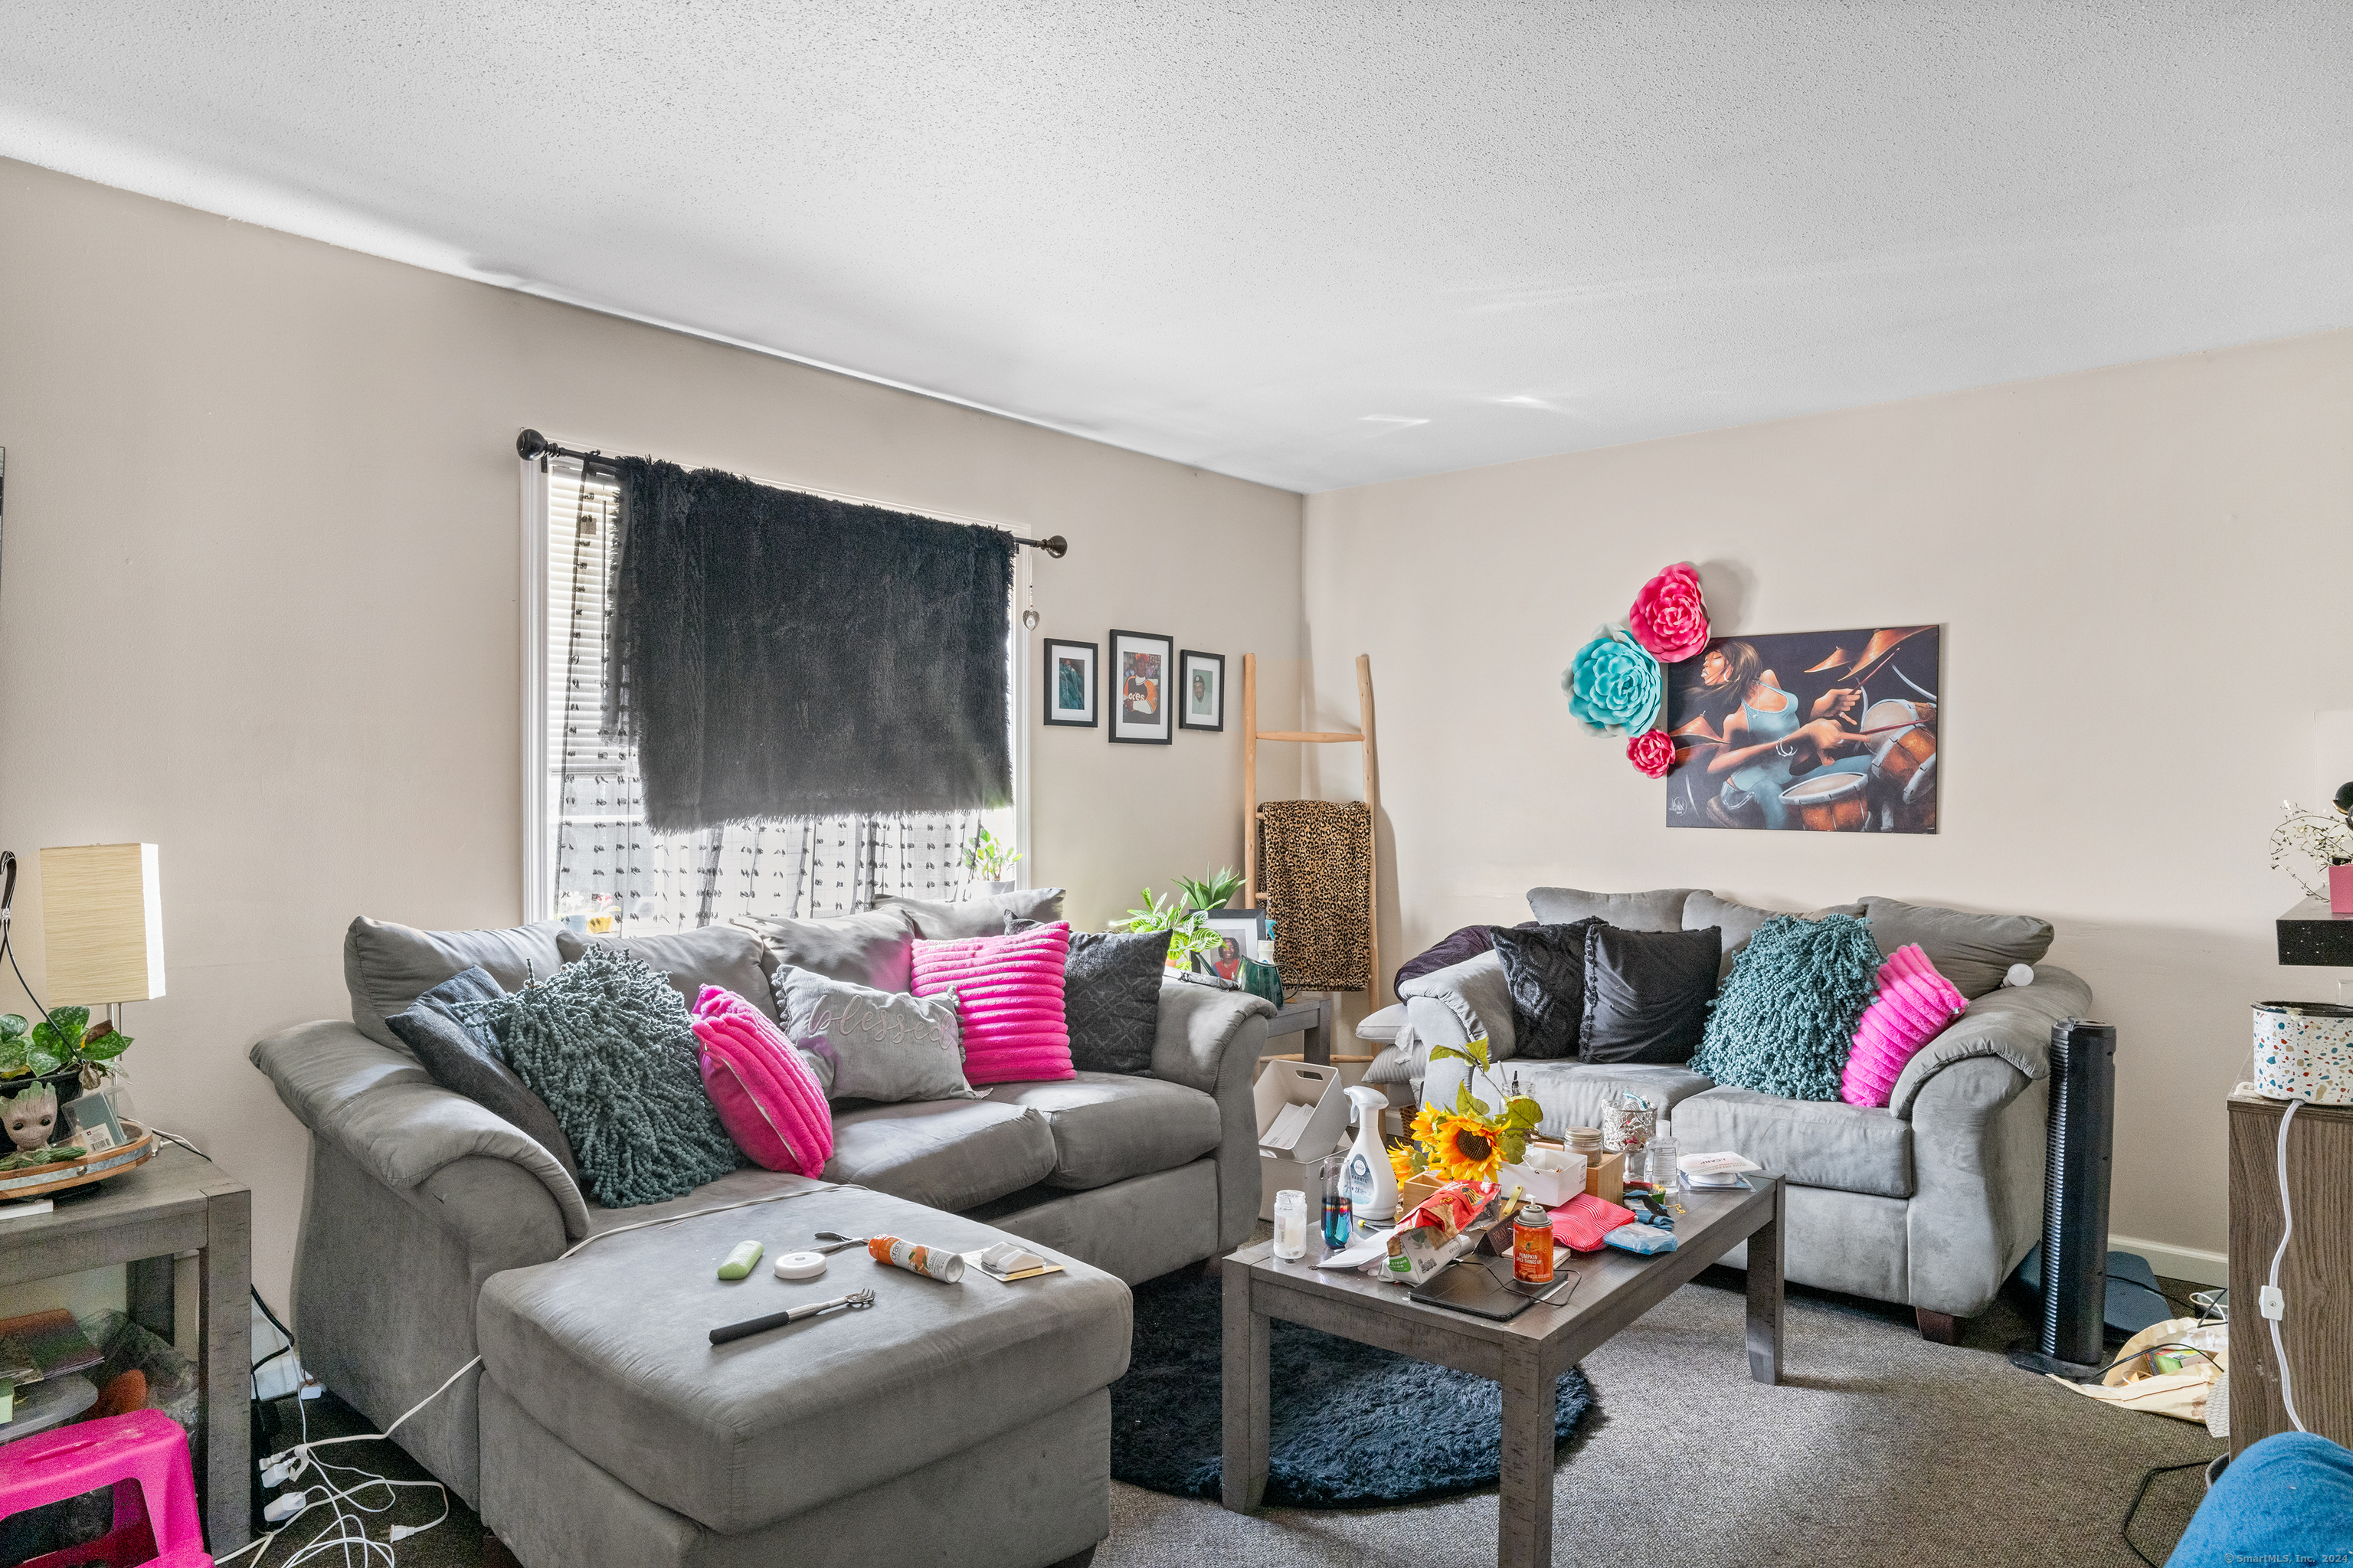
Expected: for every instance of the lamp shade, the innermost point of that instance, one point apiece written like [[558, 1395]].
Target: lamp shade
[[102, 924]]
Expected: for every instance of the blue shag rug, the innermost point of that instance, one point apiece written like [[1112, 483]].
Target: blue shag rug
[[1353, 1425]]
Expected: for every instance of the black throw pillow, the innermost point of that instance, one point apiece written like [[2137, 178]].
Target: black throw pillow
[[464, 1058], [1111, 998], [1544, 967], [1646, 993]]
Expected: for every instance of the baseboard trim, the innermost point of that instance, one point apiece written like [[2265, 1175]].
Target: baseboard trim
[[2190, 1263]]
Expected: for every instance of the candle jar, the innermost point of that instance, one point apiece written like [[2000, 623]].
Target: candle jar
[[1290, 1225], [1628, 1121]]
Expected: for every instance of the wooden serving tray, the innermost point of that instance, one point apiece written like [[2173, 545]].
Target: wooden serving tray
[[40, 1181]]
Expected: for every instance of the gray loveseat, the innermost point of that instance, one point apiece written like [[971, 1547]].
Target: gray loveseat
[[1931, 1202], [604, 1429]]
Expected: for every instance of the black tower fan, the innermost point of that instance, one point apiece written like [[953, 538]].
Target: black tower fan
[[2071, 1339]]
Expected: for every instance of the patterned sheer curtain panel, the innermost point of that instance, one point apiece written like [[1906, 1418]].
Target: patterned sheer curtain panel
[[609, 863]]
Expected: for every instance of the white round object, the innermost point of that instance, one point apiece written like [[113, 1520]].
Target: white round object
[[2018, 974], [800, 1266]]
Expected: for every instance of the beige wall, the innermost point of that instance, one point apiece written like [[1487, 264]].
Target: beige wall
[[2142, 575], [258, 602]]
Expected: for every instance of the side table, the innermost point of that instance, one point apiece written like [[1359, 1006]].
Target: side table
[[1311, 1015], [176, 1203]]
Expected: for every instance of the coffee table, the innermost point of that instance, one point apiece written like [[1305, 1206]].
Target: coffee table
[[1526, 1355]]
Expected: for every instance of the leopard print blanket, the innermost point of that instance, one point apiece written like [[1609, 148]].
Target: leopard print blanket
[[1315, 873]]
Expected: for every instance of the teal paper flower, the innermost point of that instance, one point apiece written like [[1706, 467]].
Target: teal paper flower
[[1613, 684]]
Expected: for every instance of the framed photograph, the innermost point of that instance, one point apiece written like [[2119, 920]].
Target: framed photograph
[[1203, 697], [1823, 732], [1242, 927], [1141, 667], [1071, 683]]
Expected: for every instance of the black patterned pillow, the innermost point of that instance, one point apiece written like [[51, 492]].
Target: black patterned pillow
[[1110, 997], [1544, 967]]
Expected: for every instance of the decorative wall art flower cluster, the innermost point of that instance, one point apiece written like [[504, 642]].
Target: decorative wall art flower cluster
[[1616, 685]]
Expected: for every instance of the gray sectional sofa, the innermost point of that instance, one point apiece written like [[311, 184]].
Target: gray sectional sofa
[[1931, 1202], [951, 1423]]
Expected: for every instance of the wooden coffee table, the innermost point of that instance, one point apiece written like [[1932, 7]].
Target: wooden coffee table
[[1526, 1355]]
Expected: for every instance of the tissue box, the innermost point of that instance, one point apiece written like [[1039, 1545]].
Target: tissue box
[[1606, 1177], [1550, 1188]]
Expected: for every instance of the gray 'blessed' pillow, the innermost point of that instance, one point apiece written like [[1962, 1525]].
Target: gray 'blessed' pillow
[[869, 1044]]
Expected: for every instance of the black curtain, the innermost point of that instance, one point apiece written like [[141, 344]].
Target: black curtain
[[780, 654]]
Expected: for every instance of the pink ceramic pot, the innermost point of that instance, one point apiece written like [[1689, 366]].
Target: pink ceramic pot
[[2340, 890]]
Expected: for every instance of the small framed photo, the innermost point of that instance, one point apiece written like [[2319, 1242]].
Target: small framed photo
[[1072, 683], [1203, 698], [1242, 929], [1140, 677]]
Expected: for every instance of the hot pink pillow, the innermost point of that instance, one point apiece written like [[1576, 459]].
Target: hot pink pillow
[[1913, 1006], [1008, 990], [768, 1100]]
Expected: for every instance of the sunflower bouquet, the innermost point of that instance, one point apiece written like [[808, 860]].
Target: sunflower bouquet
[[1469, 1142]]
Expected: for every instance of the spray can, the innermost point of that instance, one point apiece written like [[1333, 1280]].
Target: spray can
[[929, 1261], [1531, 1245]]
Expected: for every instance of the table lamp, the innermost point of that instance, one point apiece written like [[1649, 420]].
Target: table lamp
[[102, 925]]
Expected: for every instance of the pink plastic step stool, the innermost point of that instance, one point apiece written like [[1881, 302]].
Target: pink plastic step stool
[[154, 1519]]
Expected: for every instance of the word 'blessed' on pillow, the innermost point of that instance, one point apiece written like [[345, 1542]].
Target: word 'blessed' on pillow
[[609, 1045], [1786, 1019], [869, 1044], [1009, 991]]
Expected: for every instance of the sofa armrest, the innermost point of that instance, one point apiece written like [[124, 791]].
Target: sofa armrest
[[1459, 1003], [1211, 1040], [2013, 1024], [1979, 1141], [385, 1112]]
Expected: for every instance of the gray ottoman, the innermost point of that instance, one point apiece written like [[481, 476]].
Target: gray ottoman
[[948, 1423]]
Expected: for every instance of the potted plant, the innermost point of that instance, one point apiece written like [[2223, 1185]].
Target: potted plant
[[60, 1056], [2323, 839], [1214, 891], [988, 858], [1188, 927]]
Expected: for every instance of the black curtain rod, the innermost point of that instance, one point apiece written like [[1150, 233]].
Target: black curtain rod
[[532, 444]]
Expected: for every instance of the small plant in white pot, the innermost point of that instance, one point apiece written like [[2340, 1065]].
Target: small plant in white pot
[[988, 858]]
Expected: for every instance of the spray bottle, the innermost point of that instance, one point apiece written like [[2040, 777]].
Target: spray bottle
[[1371, 1180]]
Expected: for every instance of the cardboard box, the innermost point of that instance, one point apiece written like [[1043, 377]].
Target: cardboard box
[[1605, 1177], [1291, 1153]]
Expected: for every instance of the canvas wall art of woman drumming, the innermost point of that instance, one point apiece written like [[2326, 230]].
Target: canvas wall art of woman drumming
[[1808, 732]]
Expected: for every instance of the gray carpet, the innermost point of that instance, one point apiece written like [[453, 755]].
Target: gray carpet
[[1879, 1449]]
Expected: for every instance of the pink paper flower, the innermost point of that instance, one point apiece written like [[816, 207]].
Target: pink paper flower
[[1651, 753], [1670, 617]]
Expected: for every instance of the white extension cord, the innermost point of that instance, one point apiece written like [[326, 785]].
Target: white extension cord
[[2273, 1304], [289, 1464]]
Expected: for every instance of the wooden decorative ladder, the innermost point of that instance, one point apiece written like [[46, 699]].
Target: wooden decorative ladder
[[1363, 733]]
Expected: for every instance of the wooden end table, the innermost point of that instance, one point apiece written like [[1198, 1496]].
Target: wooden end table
[[1309, 1015], [173, 1204], [1526, 1355]]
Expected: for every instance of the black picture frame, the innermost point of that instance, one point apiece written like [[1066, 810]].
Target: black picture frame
[[1244, 928], [1186, 661], [1056, 646], [1123, 679]]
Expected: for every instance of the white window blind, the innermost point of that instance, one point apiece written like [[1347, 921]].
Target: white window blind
[[599, 858]]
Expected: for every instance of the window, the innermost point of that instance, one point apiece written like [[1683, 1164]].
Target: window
[[588, 850]]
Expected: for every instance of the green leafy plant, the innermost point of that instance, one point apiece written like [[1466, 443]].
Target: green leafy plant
[[1214, 891], [62, 1041], [988, 857], [1506, 1135], [1188, 927]]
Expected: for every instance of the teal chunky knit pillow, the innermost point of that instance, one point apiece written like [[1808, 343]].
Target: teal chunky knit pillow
[[607, 1044], [1784, 1021]]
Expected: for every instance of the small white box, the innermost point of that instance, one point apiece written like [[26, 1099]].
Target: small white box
[[1550, 1188]]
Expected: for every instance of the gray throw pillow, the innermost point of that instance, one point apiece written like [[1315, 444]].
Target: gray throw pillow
[[387, 967], [1738, 922], [1660, 909], [1110, 997], [464, 1057], [982, 916], [869, 1044], [876, 948], [725, 956], [1973, 951]]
